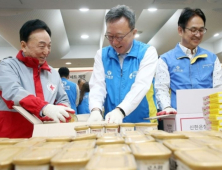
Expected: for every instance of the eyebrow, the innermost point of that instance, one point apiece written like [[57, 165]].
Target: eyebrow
[[43, 42]]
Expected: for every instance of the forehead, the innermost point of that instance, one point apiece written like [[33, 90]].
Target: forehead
[[39, 35], [119, 25], [195, 21]]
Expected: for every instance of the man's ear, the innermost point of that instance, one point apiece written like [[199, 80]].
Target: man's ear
[[134, 32], [23, 46], [180, 31]]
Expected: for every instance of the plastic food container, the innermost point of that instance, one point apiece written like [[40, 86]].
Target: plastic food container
[[204, 159], [126, 127], [159, 137], [190, 134], [81, 130], [97, 129], [132, 134], [11, 141], [111, 128], [59, 139], [151, 155], [34, 158], [81, 144], [110, 135], [106, 141], [52, 144], [27, 143], [6, 157], [207, 141], [139, 139], [180, 144], [85, 137], [71, 160], [145, 127], [110, 162], [113, 149], [216, 147], [155, 132], [74, 118]]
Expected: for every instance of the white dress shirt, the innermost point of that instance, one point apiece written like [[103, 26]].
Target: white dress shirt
[[162, 89], [138, 90]]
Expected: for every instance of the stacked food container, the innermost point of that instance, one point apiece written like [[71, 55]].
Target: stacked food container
[[212, 110], [129, 149]]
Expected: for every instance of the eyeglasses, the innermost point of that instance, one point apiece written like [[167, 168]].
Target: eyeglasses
[[111, 38], [194, 30]]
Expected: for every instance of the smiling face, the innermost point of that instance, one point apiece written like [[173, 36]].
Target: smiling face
[[120, 28], [189, 40], [38, 45]]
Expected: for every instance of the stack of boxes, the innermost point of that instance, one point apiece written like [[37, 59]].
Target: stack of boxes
[[212, 111]]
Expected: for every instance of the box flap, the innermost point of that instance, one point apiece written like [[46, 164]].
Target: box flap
[[30, 117]]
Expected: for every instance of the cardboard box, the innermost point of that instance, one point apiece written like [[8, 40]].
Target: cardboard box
[[185, 122], [42, 129], [189, 111]]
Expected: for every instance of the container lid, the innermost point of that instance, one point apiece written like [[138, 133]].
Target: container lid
[[59, 139], [207, 140], [146, 124], [11, 141], [189, 134], [155, 132], [104, 141], [84, 127], [52, 144], [163, 136], [7, 155], [110, 135], [81, 144], [201, 159], [150, 150], [113, 149], [132, 133], [212, 133], [110, 162], [35, 156], [27, 143], [182, 144], [127, 125], [139, 139], [111, 125], [70, 157], [216, 147], [96, 126], [85, 137]]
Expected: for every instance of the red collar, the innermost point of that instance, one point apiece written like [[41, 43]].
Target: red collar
[[32, 62]]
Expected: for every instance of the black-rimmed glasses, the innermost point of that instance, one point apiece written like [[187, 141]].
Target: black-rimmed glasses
[[194, 30], [120, 38]]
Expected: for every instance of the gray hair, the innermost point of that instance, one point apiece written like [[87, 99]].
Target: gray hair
[[120, 11]]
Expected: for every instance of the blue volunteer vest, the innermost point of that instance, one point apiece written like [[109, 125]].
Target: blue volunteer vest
[[189, 74], [83, 107], [119, 81], [70, 89]]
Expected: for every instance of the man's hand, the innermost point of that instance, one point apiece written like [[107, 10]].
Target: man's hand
[[57, 113], [95, 116], [115, 116], [167, 111]]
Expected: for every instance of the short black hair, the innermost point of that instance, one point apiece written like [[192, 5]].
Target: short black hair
[[31, 26], [63, 72], [189, 13]]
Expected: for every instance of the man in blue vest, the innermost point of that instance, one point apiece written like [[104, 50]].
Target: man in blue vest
[[187, 66], [70, 87], [122, 73]]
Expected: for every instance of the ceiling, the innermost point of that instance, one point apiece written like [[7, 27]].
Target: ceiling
[[67, 24]]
